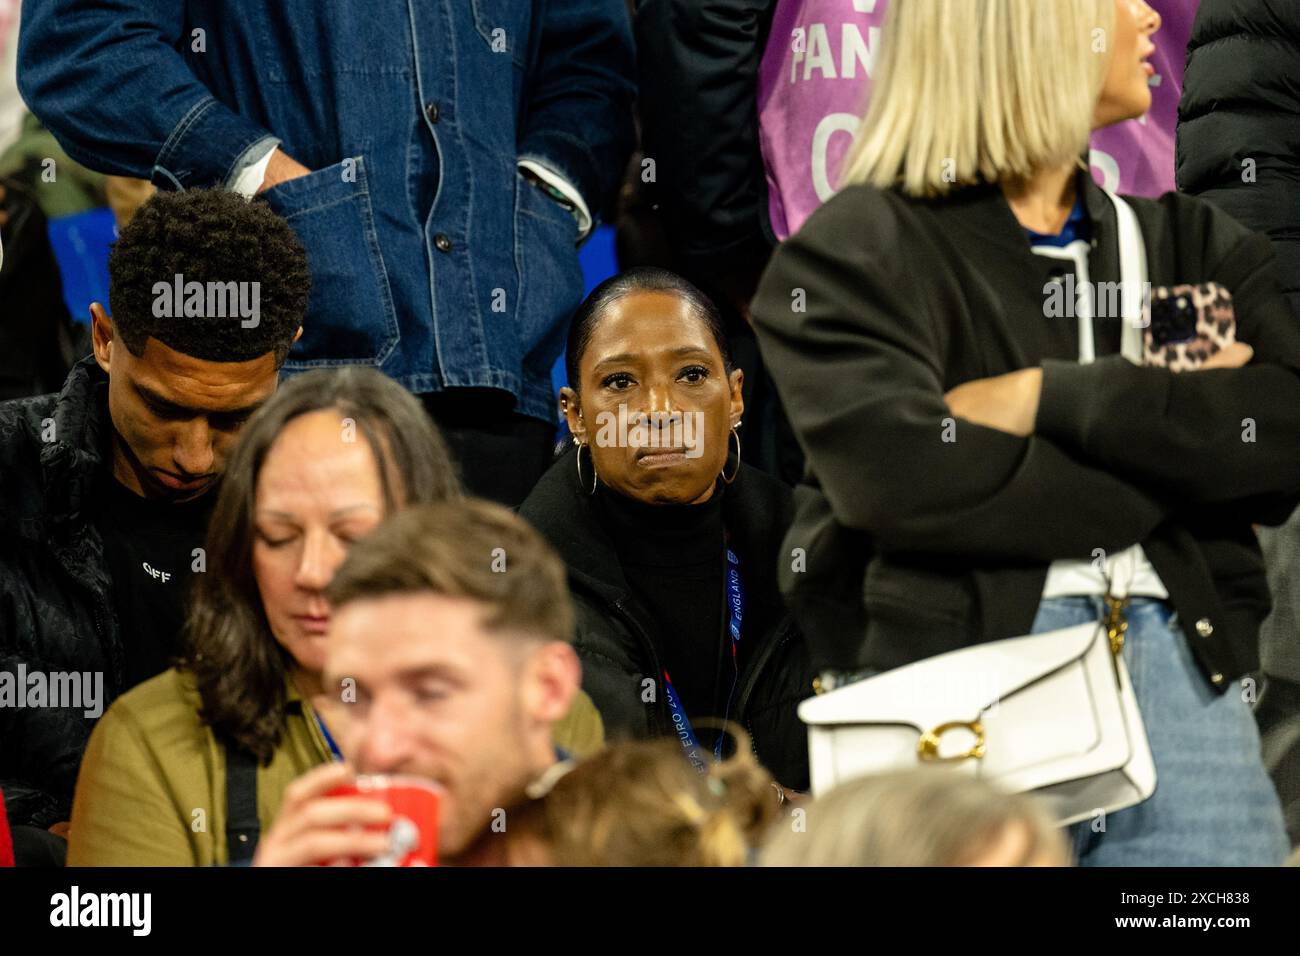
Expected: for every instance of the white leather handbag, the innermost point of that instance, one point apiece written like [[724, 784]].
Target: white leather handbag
[[1052, 714]]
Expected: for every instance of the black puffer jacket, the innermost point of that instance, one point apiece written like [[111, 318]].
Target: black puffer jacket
[[614, 630], [55, 609], [1238, 133], [698, 70], [1241, 102]]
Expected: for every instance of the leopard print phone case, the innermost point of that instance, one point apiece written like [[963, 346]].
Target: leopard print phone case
[[1186, 324]]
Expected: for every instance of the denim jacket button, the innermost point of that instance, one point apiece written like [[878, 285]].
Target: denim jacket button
[[432, 111], [1204, 627], [442, 242]]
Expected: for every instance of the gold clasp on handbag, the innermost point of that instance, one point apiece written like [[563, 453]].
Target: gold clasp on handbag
[[927, 748], [1116, 628], [1116, 623]]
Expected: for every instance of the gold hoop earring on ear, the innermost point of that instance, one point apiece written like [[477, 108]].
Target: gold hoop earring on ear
[[736, 435], [578, 460]]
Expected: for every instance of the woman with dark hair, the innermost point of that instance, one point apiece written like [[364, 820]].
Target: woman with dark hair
[[671, 543], [187, 767]]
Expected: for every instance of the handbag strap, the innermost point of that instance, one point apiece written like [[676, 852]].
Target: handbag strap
[[1133, 295], [242, 827], [1133, 278]]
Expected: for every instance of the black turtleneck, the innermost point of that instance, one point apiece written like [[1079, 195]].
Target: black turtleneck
[[672, 557]]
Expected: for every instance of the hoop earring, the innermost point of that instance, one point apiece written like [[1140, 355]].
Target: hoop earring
[[736, 435], [578, 461]]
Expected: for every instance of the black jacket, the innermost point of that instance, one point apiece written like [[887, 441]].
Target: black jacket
[[698, 66], [56, 613], [1238, 142], [940, 544], [614, 632]]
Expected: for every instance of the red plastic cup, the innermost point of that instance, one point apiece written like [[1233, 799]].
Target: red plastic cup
[[413, 830]]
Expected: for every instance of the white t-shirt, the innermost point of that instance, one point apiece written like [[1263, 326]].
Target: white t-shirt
[[1129, 571]]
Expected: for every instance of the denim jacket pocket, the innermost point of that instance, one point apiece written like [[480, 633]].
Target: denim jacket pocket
[[350, 315], [550, 275], [504, 26]]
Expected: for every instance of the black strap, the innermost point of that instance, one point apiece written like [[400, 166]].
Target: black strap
[[242, 828]]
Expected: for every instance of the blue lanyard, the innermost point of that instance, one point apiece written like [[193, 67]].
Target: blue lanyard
[[682, 725], [734, 595], [324, 732]]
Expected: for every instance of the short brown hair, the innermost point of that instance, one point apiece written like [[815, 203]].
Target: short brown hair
[[468, 548]]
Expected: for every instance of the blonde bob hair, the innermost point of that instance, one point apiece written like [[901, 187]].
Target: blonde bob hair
[[971, 91]]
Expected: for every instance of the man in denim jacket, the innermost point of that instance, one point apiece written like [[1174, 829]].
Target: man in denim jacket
[[439, 160]]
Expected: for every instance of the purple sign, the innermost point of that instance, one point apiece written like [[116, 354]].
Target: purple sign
[[815, 80], [1137, 156]]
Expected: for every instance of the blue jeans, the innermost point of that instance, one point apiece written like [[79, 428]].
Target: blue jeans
[[1214, 804]]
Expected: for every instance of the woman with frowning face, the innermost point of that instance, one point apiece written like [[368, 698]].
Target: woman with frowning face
[[671, 542], [656, 399]]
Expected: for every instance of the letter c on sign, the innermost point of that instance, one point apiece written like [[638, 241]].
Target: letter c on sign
[[830, 124], [1108, 166]]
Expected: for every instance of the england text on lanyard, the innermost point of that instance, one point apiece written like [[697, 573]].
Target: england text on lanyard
[[734, 595]]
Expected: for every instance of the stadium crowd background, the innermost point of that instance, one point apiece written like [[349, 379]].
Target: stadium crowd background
[[453, 247]]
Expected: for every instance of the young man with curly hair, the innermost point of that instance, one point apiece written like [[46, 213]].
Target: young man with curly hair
[[105, 487]]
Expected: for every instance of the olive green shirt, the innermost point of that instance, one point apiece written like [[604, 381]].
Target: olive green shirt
[[152, 786]]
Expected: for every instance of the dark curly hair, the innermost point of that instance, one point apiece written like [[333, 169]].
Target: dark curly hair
[[208, 235]]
